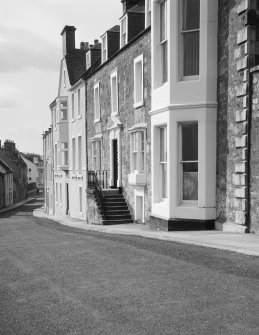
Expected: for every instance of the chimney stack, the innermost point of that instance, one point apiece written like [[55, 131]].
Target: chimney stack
[[68, 39]]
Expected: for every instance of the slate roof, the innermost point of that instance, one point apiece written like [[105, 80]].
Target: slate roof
[[14, 161], [76, 64]]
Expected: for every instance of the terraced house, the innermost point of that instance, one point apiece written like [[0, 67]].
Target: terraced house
[[165, 119]]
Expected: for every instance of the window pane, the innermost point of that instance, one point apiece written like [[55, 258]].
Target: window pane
[[190, 142], [191, 14], [138, 82], [163, 21], [191, 46], [165, 62], [163, 144], [164, 180], [190, 181]]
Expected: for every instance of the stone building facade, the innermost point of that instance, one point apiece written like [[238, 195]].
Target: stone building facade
[[128, 121], [236, 136]]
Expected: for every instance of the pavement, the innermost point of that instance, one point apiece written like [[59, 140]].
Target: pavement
[[247, 244], [16, 205]]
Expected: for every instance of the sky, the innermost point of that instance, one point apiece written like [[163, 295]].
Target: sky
[[30, 55]]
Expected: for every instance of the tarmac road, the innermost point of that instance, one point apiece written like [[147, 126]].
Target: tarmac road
[[60, 280]]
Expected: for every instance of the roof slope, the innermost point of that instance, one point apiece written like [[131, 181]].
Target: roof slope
[[76, 64]]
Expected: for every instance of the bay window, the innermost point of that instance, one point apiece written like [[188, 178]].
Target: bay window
[[189, 161], [190, 37], [64, 153], [137, 142]]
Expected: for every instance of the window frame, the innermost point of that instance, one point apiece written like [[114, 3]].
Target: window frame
[[88, 59], [163, 163], [138, 60], [79, 111], [97, 155], [116, 111], [79, 154], [181, 162], [73, 155], [124, 18], [64, 154], [136, 137], [181, 49], [104, 48], [73, 105], [97, 107], [163, 42]]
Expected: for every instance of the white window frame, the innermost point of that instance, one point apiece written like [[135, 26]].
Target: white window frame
[[124, 19], [56, 156], [79, 154], [73, 106], [63, 108], [139, 151], [64, 78], [64, 154], [182, 32], [97, 107], [79, 111], [88, 59], [162, 163], [96, 155], [114, 104], [185, 202], [104, 48], [163, 42], [140, 102], [60, 193], [73, 155]]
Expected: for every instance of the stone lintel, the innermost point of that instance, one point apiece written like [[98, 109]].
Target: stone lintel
[[240, 192], [239, 179], [246, 5], [240, 218], [242, 63], [241, 90], [246, 34], [240, 167], [241, 141]]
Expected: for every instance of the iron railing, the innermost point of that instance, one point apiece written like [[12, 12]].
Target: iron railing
[[97, 180]]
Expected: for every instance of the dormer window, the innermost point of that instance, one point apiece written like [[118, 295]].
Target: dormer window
[[88, 59], [104, 48], [123, 30]]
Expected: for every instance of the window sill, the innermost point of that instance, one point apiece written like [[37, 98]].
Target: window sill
[[114, 113], [138, 104], [72, 120], [190, 78], [138, 179], [97, 120], [79, 117]]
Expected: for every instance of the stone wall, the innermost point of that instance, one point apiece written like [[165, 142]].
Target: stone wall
[[254, 155], [235, 56], [123, 62]]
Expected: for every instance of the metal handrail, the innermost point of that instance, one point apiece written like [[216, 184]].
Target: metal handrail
[[95, 185]]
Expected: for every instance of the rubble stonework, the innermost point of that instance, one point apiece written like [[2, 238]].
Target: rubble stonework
[[237, 36], [254, 154], [129, 116]]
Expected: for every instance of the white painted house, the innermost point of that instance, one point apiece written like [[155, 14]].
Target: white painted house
[[184, 112]]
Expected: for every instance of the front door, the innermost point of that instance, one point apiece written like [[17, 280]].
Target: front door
[[67, 196], [115, 162]]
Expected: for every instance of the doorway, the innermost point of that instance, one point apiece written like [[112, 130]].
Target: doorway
[[67, 198], [115, 162]]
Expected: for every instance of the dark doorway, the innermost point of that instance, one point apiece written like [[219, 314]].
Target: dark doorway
[[67, 196], [115, 162]]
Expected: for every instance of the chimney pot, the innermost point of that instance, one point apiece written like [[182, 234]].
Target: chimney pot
[[96, 41], [68, 39]]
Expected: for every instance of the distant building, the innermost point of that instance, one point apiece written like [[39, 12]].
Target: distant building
[[12, 158], [35, 171], [6, 185]]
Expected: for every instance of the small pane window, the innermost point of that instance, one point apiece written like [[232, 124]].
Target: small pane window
[[63, 110], [114, 93], [73, 106], [189, 161], [78, 103], [163, 40], [79, 154], [138, 81], [190, 37], [64, 153], [97, 103], [163, 161]]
